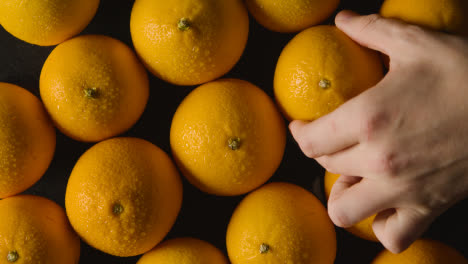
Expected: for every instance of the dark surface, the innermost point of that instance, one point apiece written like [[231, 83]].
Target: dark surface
[[202, 216]]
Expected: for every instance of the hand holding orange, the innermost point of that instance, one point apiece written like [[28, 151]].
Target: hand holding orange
[[320, 69], [362, 229]]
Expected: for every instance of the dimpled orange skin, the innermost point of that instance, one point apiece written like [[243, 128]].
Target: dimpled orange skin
[[184, 251], [423, 251], [320, 69], [27, 139], [291, 15], [93, 87], [38, 230], [46, 23], [287, 218], [443, 15], [208, 48], [362, 229], [212, 115], [123, 196]]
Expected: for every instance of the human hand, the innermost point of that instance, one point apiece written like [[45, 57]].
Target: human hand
[[401, 146]]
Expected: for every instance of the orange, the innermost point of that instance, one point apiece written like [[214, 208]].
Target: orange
[[320, 69], [189, 42], [362, 229], [184, 251], [46, 23], [422, 251], [27, 140], [36, 230], [444, 15], [123, 196], [281, 223], [93, 87], [291, 15], [227, 137]]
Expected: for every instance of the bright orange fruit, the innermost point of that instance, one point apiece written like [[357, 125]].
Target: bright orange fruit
[[291, 15], [444, 15], [423, 251], [94, 87], [281, 223], [27, 139], [46, 23], [184, 251], [123, 196], [189, 42], [227, 137], [36, 230], [320, 69]]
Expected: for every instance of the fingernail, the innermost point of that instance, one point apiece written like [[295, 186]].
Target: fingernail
[[344, 16]]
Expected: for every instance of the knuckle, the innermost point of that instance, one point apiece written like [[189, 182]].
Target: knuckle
[[395, 244], [389, 162], [370, 21], [325, 162], [386, 163], [338, 216], [308, 148], [373, 123], [412, 33], [413, 39]]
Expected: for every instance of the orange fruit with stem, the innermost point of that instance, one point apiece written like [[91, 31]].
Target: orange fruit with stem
[[184, 251], [123, 196], [320, 69], [189, 42], [46, 23], [36, 230], [93, 87], [281, 223], [27, 139], [227, 137]]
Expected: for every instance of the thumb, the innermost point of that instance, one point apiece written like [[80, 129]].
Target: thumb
[[372, 31]]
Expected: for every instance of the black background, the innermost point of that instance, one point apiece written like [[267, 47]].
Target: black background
[[202, 216]]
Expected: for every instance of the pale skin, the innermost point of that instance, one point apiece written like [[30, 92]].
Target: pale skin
[[401, 146]]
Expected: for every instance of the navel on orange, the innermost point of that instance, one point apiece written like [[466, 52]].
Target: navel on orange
[[362, 229], [184, 251], [291, 15], [444, 15], [36, 230], [27, 139], [423, 251], [46, 23], [123, 196], [94, 87], [227, 137], [189, 42], [281, 223], [320, 69]]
